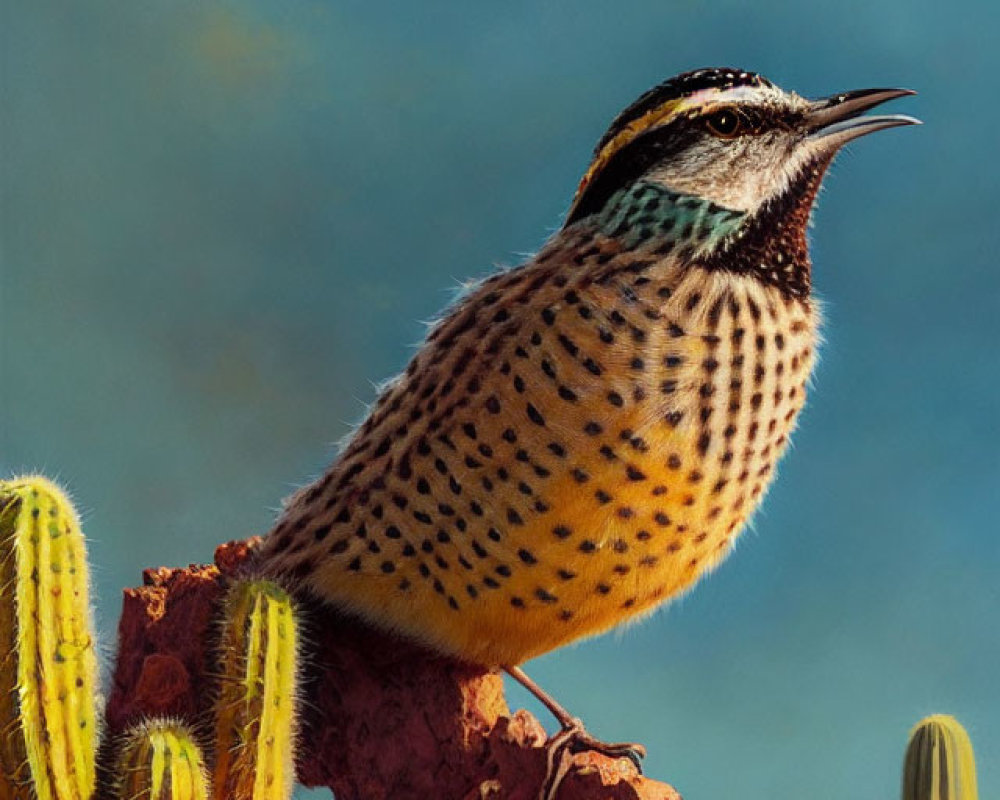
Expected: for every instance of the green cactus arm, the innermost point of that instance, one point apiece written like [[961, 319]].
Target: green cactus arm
[[279, 705], [160, 760], [48, 731], [940, 763], [255, 709]]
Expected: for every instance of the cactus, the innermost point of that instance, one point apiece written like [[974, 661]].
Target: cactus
[[160, 760], [48, 667], [939, 763], [255, 709]]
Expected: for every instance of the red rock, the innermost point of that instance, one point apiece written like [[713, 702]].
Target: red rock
[[380, 717]]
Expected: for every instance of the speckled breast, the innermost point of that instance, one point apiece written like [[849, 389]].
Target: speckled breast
[[576, 444]]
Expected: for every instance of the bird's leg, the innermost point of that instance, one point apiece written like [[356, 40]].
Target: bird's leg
[[574, 736]]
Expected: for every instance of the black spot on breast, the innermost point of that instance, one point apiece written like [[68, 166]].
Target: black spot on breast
[[321, 532], [634, 473], [568, 344], [567, 394], [545, 596]]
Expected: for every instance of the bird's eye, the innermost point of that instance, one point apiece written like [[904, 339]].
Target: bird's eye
[[724, 123]]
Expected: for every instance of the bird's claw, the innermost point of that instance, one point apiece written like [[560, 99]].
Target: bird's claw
[[574, 738], [579, 740]]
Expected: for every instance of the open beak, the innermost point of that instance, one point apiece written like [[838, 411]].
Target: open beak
[[838, 119]]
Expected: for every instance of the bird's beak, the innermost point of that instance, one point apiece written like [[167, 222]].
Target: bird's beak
[[833, 121]]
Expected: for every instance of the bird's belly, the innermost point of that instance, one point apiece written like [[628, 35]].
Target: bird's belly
[[628, 550], [669, 487]]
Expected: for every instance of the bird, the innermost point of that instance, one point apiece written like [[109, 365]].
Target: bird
[[581, 437]]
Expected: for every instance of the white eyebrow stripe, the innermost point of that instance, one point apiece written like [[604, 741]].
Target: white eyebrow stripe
[[735, 94]]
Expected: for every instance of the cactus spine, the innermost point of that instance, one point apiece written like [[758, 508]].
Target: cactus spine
[[939, 763], [255, 710], [48, 667], [160, 760]]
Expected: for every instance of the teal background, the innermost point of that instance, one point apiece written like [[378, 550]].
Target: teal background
[[222, 222]]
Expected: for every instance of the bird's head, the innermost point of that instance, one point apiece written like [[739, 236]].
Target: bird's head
[[730, 137]]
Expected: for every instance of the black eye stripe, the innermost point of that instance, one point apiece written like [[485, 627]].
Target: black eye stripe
[[752, 120]]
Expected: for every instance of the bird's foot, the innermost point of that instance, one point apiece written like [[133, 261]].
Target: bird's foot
[[575, 738], [580, 740]]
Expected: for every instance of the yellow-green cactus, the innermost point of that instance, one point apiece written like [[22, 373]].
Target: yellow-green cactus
[[48, 666], [255, 709], [160, 760], [939, 764]]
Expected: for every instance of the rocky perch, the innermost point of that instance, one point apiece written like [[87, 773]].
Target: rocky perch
[[379, 717]]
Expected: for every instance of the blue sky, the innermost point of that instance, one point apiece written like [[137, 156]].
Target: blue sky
[[223, 223]]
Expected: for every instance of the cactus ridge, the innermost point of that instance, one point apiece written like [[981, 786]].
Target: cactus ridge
[[940, 763], [255, 708], [160, 760], [48, 673]]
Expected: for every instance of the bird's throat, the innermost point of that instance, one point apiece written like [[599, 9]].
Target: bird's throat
[[771, 245], [650, 215]]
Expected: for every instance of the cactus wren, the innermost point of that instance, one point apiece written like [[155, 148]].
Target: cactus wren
[[581, 437]]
